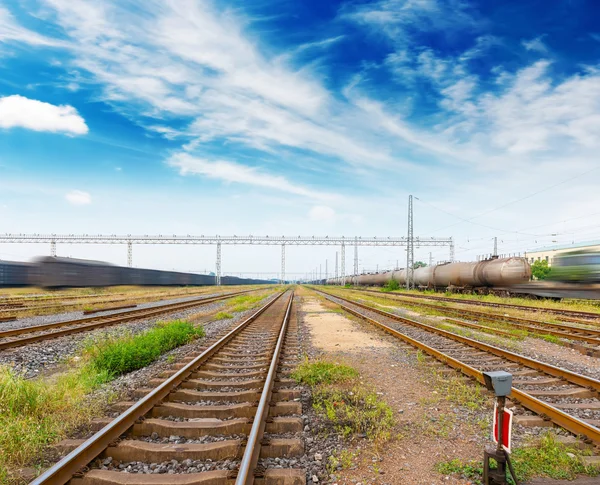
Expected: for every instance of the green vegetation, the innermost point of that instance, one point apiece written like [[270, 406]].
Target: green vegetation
[[550, 458], [34, 413], [223, 316], [243, 303], [471, 470], [546, 457], [120, 355], [348, 406], [551, 338], [323, 372], [391, 285], [355, 410], [419, 264], [456, 388], [37, 412], [540, 269], [341, 460]]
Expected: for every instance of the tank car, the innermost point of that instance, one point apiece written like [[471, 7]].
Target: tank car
[[497, 272]]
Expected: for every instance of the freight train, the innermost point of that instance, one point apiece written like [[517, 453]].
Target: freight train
[[489, 276], [55, 272]]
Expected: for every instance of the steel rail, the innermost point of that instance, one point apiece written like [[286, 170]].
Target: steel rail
[[565, 374], [562, 419], [95, 300], [46, 326], [100, 321], [556, 311], [252, 452], [61, 472], [534, 326]]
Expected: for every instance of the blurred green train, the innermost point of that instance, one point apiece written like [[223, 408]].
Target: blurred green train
[[581, 266]]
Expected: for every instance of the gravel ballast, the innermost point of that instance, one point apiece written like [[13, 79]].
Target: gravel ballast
[[42, 357]]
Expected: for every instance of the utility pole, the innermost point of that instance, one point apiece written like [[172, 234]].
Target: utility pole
[[320, 274], [336, 265], [430, 259], [283, 264], [326, 271], [218, 272], [343, 264], [355, 261], [496, 246], [410, 249], [129, 254]]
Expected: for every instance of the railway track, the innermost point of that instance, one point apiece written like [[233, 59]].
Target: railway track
[[535, 327], [569, 315], [69, 302], [227, 407], [26, 335], [568, 399]]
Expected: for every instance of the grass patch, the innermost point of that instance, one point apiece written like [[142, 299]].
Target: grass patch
[[553, 339], [550, 458], [223, 316], [546, 457], [391, 285], [37, 412], [243, 303], [355, 410], [471, 470], [349, 407], [323, 372], [341, 460], [456, 388], [120, 355]]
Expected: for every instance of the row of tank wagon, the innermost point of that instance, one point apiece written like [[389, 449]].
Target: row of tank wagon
[[497, 272], [69, 272]]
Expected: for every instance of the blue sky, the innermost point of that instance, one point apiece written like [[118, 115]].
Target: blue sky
[[286, 117]]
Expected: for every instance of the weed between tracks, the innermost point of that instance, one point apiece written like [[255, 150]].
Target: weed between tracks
[[36, 413], [120, 355], [544, 457], [347, 405], [323, 372], [240, 303]]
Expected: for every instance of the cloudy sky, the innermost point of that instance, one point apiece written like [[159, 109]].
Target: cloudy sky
[[284, 117]]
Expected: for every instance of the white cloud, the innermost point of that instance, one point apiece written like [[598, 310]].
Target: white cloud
[[234, 172], [533, 114], [535, 45], [186, 59], [11, 31], [18, 111], [78, 197], [321, 213]]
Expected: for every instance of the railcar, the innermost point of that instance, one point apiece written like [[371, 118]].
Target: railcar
[[477, 276], [581, 266], [16, 274], [69, 272]]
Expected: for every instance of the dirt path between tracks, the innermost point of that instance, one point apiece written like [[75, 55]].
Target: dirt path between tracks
[[430, 429]]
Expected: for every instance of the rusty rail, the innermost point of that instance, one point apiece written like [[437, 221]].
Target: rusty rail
[[536, 327], [100, 321], [252, 452], [555, 311], [570, 423], [71, 464]]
